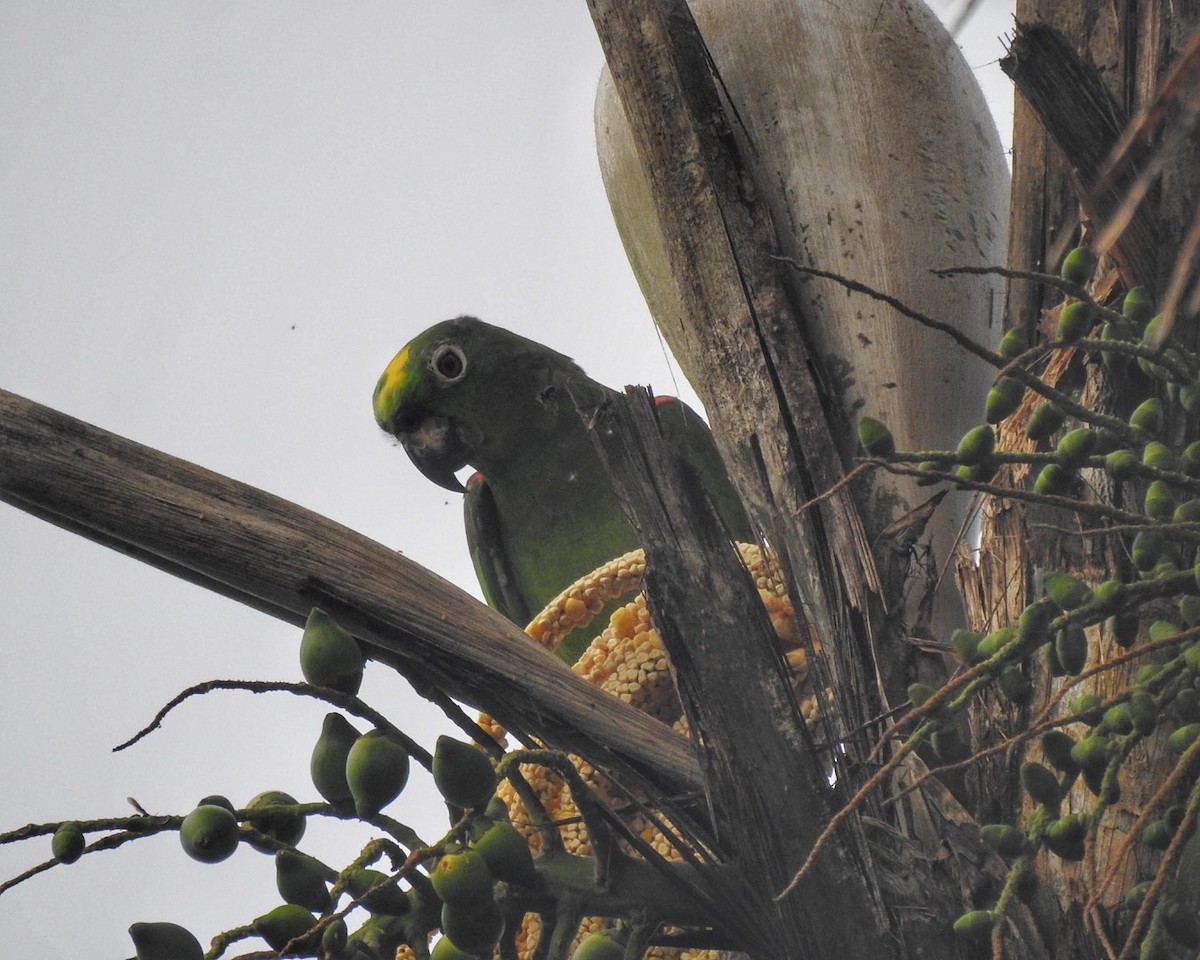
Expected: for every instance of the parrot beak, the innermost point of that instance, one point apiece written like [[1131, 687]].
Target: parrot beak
[[438, 447]]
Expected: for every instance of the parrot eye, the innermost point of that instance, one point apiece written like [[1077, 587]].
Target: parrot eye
[[449, 363]]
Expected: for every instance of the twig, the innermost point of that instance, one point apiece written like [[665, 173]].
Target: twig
[[1169, 856], [350, 704]]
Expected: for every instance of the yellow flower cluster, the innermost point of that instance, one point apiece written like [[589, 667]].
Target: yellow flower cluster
[[628, 660]]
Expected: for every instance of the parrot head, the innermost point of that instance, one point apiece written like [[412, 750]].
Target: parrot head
[[455, 392]]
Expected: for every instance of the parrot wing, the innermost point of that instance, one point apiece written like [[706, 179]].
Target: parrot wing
[[485, 540]]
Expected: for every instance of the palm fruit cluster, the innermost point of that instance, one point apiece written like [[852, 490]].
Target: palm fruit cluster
[[628, 660], [1147, 617], [357, 773]]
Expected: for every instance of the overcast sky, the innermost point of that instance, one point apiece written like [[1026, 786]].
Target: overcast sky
[[218, 222]]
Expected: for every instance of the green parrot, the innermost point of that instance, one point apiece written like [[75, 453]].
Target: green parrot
[[539, 510]]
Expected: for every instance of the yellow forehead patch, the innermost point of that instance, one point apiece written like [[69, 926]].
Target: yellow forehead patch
[[390, 388]]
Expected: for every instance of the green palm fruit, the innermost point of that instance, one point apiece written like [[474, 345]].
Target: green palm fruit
[[1187, 705], [1153, 370], [1117, 330], [876, 439], [994, 642], [507, 854], [978, 472], [209, 834], [1085, 707], [1166, 567], [218, 800], [1033, 623], [1160, 500], [1147, 417], [376, 938], [1073, 826], [1158, 456], [1065, 836], [1071, 649], [947, 743], [1075, 447], [329, 656], [1121, 464], [1109, 792], [1054, 480], [927, 466], [284, 827], [1147, 549], [1189, 460], [1006, 840], [376, 772], [1157, 835], [473, 927], [1189, 397], [462, 773], [1044, 421], [1092, 753], [1123, 629], [1015, 685], [1177, 376], [918, 693], [1003, 399], [377, 894], [1013, 343], [301, 880], [1137, 306], [1118, 720], [1146, 673], [1077, 266], [1041, 784], [1183, 737], [976, 446], [598, 946], [462, 877], [1075, 319], [1143, 711], [68, 842], [284, 924], [1136, 894], [1156, 332], [1191, 656], [165, 941], [1052, 664], [966, 644], [1162, 630], [975, 925], [1187, 512], [1069, 592], [1056, 746], [444, 949], [1108, 594], [328, 764], [333, 939]]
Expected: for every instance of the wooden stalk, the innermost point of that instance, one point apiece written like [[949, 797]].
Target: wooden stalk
[[277, 557]]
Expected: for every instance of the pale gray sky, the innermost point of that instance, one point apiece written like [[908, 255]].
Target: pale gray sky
[[219, 222]]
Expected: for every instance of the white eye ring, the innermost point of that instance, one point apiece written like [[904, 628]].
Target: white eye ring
[[449, 363]]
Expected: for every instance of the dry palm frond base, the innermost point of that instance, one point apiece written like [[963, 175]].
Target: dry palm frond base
[[628, 660]]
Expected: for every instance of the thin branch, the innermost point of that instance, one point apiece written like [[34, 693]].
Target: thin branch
[[347, 702]]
